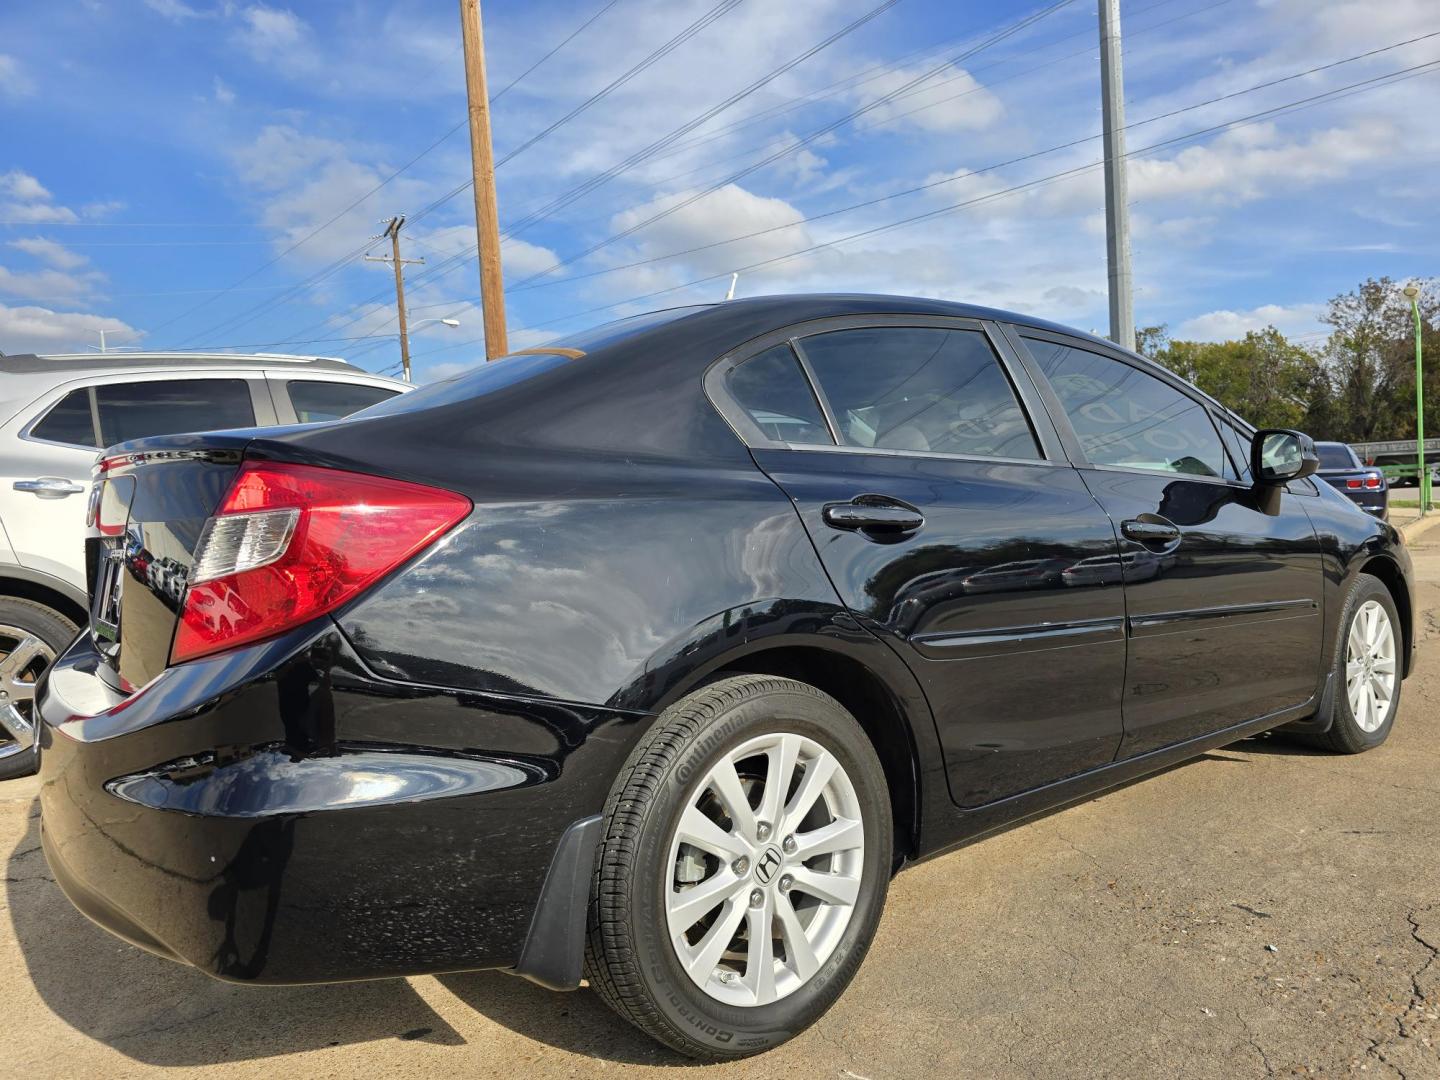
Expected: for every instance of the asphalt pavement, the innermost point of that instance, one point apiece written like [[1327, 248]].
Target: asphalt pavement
[[1264, 910]]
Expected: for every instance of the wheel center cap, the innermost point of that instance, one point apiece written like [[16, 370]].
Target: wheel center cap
[[768, 865]]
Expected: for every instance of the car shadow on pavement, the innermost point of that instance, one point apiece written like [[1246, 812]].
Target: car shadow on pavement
[[578, 1022], [162, 1013]]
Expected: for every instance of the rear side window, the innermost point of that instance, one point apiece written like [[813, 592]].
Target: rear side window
[[775, 394], [1125, 416], [68, 421], [320, 400], [171, 406], [924, 389], [1336, 456]]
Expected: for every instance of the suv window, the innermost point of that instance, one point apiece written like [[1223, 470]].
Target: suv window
[[322, 400], [69, 421], [773, 390], [1128, 417], [170, 406], [920, 388]]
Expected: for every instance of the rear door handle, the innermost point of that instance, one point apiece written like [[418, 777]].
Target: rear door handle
[[49, 487], [873, 516], [1152, 531]]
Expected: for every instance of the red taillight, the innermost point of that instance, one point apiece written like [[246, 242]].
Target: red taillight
[[1354, 484], [292, 542], [1372, 481]]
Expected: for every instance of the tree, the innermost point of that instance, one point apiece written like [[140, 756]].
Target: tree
[[1369, 360], [1264, 377]]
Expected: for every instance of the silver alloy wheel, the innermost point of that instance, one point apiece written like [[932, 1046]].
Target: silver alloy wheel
[[23, 659], [766, 867], [1370, 666]]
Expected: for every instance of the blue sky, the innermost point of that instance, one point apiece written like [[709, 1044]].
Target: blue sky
[[162, 159]]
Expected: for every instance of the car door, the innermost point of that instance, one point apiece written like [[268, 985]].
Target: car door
[[941, 505], [1222, 592], [42, 495]]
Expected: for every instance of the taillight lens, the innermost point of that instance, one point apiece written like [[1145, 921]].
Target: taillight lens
[[293, 542], [1355, 484], [1373, 481]]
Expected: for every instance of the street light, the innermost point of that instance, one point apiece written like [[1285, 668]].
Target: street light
[[1412, 293], [416, 326]]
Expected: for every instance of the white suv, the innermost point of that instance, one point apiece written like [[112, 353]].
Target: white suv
[[56, 414]]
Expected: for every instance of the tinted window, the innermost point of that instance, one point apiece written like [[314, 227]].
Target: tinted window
[[315, 401], [773, 390], [170, 406], [1125, 416], [68, 421], [920, 388], [1336, 456]]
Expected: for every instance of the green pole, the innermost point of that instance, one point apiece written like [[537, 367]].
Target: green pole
[[1424, 477]]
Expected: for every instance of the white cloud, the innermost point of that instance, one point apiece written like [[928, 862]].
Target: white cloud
[[48, 284], [50, 252], [23, 198], [174, 10], [39, 329], [953, 100], [1227, 325], [276, 37], [14, 83], [223, 94]]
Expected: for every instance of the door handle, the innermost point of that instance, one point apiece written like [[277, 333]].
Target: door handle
[[877, 516], [49, 487], [1152, 531]]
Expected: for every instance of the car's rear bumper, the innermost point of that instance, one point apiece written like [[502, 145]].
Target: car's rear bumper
[[278, 814]]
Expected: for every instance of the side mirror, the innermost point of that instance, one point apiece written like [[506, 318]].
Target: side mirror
[[1278, 456]]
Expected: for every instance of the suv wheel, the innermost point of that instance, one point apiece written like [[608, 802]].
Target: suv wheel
[[743, 868], [31, 636]]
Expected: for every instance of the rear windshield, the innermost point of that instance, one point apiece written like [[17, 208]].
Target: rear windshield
[[484, 378], [1335, 456]]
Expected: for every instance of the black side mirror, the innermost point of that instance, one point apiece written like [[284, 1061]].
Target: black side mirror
[[1278, 456]]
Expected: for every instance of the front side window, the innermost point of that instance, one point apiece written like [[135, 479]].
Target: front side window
[[317, 400], [775, 394], [925, 389], [139, 410], [1127, 417], [68, 421]]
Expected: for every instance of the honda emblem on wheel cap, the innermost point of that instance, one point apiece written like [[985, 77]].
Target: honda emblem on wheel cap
[[767, 864]]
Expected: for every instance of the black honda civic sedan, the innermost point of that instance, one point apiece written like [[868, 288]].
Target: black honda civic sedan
[[648, 657]]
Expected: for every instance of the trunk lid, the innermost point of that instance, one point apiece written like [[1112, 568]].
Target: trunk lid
[[149, 503]]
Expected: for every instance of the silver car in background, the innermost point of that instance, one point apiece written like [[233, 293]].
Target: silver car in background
[[56, 414]]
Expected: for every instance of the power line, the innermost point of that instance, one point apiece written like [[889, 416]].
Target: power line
[[423, 153], [1004, 34], [521, 287], [806, 140], [1365, 85]]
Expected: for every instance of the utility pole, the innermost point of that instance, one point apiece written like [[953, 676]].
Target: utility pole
[[392, 230], [482, 161], [1117, 208]]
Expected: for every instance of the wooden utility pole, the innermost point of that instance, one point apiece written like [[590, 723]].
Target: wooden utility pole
[[392, 230], [482, 159]]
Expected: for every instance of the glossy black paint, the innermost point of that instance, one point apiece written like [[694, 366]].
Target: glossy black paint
[[384, 791]]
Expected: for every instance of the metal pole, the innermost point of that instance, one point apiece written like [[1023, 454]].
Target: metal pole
[[1423, 476], [394, 233], [1117, 209], [482, 161]]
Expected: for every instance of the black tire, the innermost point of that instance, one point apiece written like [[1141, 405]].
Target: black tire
[[629, 958], [1346, 736], [56, 631]]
